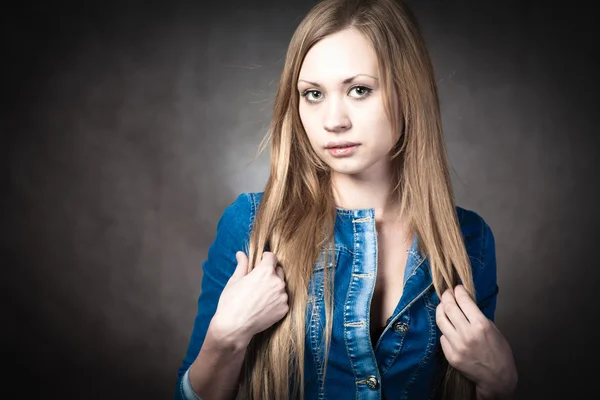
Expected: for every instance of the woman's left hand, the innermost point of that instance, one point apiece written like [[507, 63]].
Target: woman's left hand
[[473, 345]]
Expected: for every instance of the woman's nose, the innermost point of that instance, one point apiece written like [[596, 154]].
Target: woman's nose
[[336, 117]]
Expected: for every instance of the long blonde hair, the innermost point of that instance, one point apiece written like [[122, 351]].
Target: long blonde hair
[[297, 213]]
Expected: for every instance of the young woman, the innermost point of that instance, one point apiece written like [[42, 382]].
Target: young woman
[[353, 275]]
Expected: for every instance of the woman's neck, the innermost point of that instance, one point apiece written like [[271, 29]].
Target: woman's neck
[[352, 192]]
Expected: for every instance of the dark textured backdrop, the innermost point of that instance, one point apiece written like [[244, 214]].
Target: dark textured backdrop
[[128, 128]]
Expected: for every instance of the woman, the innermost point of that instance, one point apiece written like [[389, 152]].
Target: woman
[[373, 283]]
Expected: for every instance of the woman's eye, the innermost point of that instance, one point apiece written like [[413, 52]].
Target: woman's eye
[[361, 91], [312, 95]]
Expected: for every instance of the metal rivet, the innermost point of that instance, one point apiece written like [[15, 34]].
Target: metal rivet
[[373, 382], [400, 327]]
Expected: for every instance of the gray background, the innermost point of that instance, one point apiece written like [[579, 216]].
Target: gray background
[[127, 129]]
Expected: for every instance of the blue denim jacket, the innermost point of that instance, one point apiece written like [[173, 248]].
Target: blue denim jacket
[[404, 361]]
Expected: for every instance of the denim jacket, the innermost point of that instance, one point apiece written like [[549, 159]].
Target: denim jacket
[[404, 362]]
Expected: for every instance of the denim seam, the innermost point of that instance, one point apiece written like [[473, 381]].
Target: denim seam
[[429, 304], [428, 352], [354, 275], [253, 207], [320, 361], [354, 256], [320, 267], [399, 347], [405, 308], [417, 267], [313, 335], [483, 239], [479, 256]]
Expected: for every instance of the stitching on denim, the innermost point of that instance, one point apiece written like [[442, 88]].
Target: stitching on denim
[[483, 239], [416, 269], [403, 310], [251, 222], [338, 249], [346, 309], [318, 355], [399, 348], [428, 352], [345, 250], [350, 290], [253, 209], [416, 254], [314, 328], [430, 304], [314, 324], [357, 324], [360, 220], [368, 321], [344, 212], [336, 256], [369, 275]]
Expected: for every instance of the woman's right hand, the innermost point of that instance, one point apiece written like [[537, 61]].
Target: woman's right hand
[[251, 302]]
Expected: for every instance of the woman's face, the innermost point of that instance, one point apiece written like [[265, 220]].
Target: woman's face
[[341, 101]]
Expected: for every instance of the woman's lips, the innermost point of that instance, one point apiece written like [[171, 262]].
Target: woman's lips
[[342, 151]]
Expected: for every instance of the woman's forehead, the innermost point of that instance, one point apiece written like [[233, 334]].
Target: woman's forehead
[[338, 57]]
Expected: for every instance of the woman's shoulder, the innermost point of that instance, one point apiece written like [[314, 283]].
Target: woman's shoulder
[[472, 225], [240, 213], [246, 201], [243, 209], [479, 240], [251, 200], [256, 196]]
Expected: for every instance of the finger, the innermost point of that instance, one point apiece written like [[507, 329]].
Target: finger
[[269, 259], [242, 266], [467, 305], [279, 272], [453, 312], [446, 346], [445, 325]]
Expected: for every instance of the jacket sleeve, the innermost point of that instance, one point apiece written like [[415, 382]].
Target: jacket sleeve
[[232, 235], [481, 249], [485, 274]]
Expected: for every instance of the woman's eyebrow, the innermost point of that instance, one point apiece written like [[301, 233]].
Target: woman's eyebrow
[[344, 82]]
